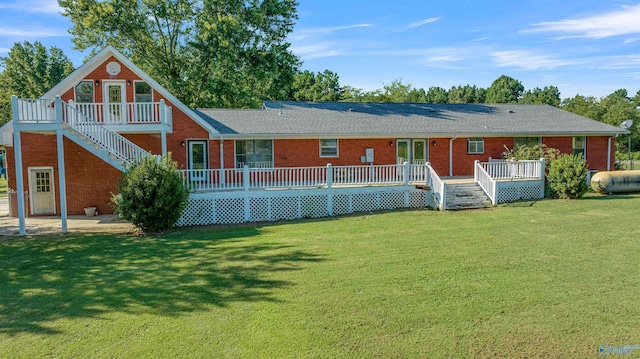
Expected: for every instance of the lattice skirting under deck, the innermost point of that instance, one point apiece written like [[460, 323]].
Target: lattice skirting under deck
[[273, 205]]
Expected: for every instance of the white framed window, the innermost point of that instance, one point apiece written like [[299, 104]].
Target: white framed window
[[142, 92], [528, 141], [475, 145], [328, 148], [254, 153], [84, 92], [578, 145]]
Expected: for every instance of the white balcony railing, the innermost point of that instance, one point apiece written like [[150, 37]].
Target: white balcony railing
[[303, 177], [43, 111]]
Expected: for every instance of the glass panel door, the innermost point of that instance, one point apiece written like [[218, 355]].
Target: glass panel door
[[402, 148], [114, 102], [419, 152], [198, 160]]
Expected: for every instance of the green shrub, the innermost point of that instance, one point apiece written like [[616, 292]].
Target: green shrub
[[526, 153], [151, 194], [567, 177]]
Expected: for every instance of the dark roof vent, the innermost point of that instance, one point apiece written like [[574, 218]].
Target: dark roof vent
[[511, 111], [280, 111]]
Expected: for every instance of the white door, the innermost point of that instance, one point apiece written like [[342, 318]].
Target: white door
[[198, 160], [41, 190], [114, 98]]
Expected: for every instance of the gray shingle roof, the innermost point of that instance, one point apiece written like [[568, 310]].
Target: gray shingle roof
[[348, 119]]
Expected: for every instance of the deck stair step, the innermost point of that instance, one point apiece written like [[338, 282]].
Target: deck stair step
[[466, 196]]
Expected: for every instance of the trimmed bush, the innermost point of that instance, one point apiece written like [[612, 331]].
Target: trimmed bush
[[567, 177], [151, 194]]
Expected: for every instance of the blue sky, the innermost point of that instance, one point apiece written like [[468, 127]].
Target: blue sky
[[590, 47]]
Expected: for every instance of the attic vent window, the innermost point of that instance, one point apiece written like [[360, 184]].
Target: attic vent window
[[113, 68]]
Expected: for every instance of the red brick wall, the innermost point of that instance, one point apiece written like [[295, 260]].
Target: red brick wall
[[597, 153], [306, 152]]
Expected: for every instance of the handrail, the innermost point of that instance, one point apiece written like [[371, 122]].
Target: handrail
[[37, 110], [510, 170], [438, 186], [299, 177], [486, 182], [117, 145]]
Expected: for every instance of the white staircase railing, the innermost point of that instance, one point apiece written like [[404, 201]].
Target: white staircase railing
[[484, 179], [118, 146], [438, 188]]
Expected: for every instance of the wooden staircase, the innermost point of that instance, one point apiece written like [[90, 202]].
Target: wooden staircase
[[465, 196]]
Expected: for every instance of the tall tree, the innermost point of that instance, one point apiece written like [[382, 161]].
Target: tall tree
[[437, 94], [29, 70], [210, 53], [323, 86], [504, 89], [549, 95], [466, 94]]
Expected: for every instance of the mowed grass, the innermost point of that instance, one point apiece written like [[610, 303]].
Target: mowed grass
[[533, 279]]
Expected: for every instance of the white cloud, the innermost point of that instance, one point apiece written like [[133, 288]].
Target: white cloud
[[423, 22], [527, 60], [32, 32], [316, 50], [622, 22], [304, 33], [42, 6], [633, 75], [4, 50]]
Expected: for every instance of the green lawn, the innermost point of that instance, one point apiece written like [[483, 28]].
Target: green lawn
[[533, 279]]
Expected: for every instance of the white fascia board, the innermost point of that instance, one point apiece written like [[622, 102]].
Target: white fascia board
[[91, 64]]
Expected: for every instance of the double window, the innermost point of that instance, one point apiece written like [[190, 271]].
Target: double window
[[475, 145], [254, 153], [328, 148], [84, 92]]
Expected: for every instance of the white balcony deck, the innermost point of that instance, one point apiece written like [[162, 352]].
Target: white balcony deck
[[119, 117]]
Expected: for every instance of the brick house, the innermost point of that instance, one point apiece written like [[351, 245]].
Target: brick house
[[71, 145]]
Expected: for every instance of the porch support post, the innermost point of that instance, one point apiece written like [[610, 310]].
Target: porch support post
[[329, 175], [406, 173], [163, 138], [164, 123], [222, 179], [542, 170], [61, 172], [17, 153]]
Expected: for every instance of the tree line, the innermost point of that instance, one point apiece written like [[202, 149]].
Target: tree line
[[234, 54]]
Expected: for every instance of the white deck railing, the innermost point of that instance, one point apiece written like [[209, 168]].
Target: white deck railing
[[488, 184], [303, 177], [513, 169], [43, 111], [438, 188]]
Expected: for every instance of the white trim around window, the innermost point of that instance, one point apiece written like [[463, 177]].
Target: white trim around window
[[475, 146], [328, 147]]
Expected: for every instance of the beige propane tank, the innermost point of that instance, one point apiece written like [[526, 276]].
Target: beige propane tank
[[616, 181]]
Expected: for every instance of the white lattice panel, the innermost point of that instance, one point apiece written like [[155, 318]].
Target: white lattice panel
[[511, 192], [418, 199], [284, 207], [364, 202], [229, 210], [229, 207], [259, 209], [314, 206], [340, 204], [530, 192], [199, 212], [391, 200]]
